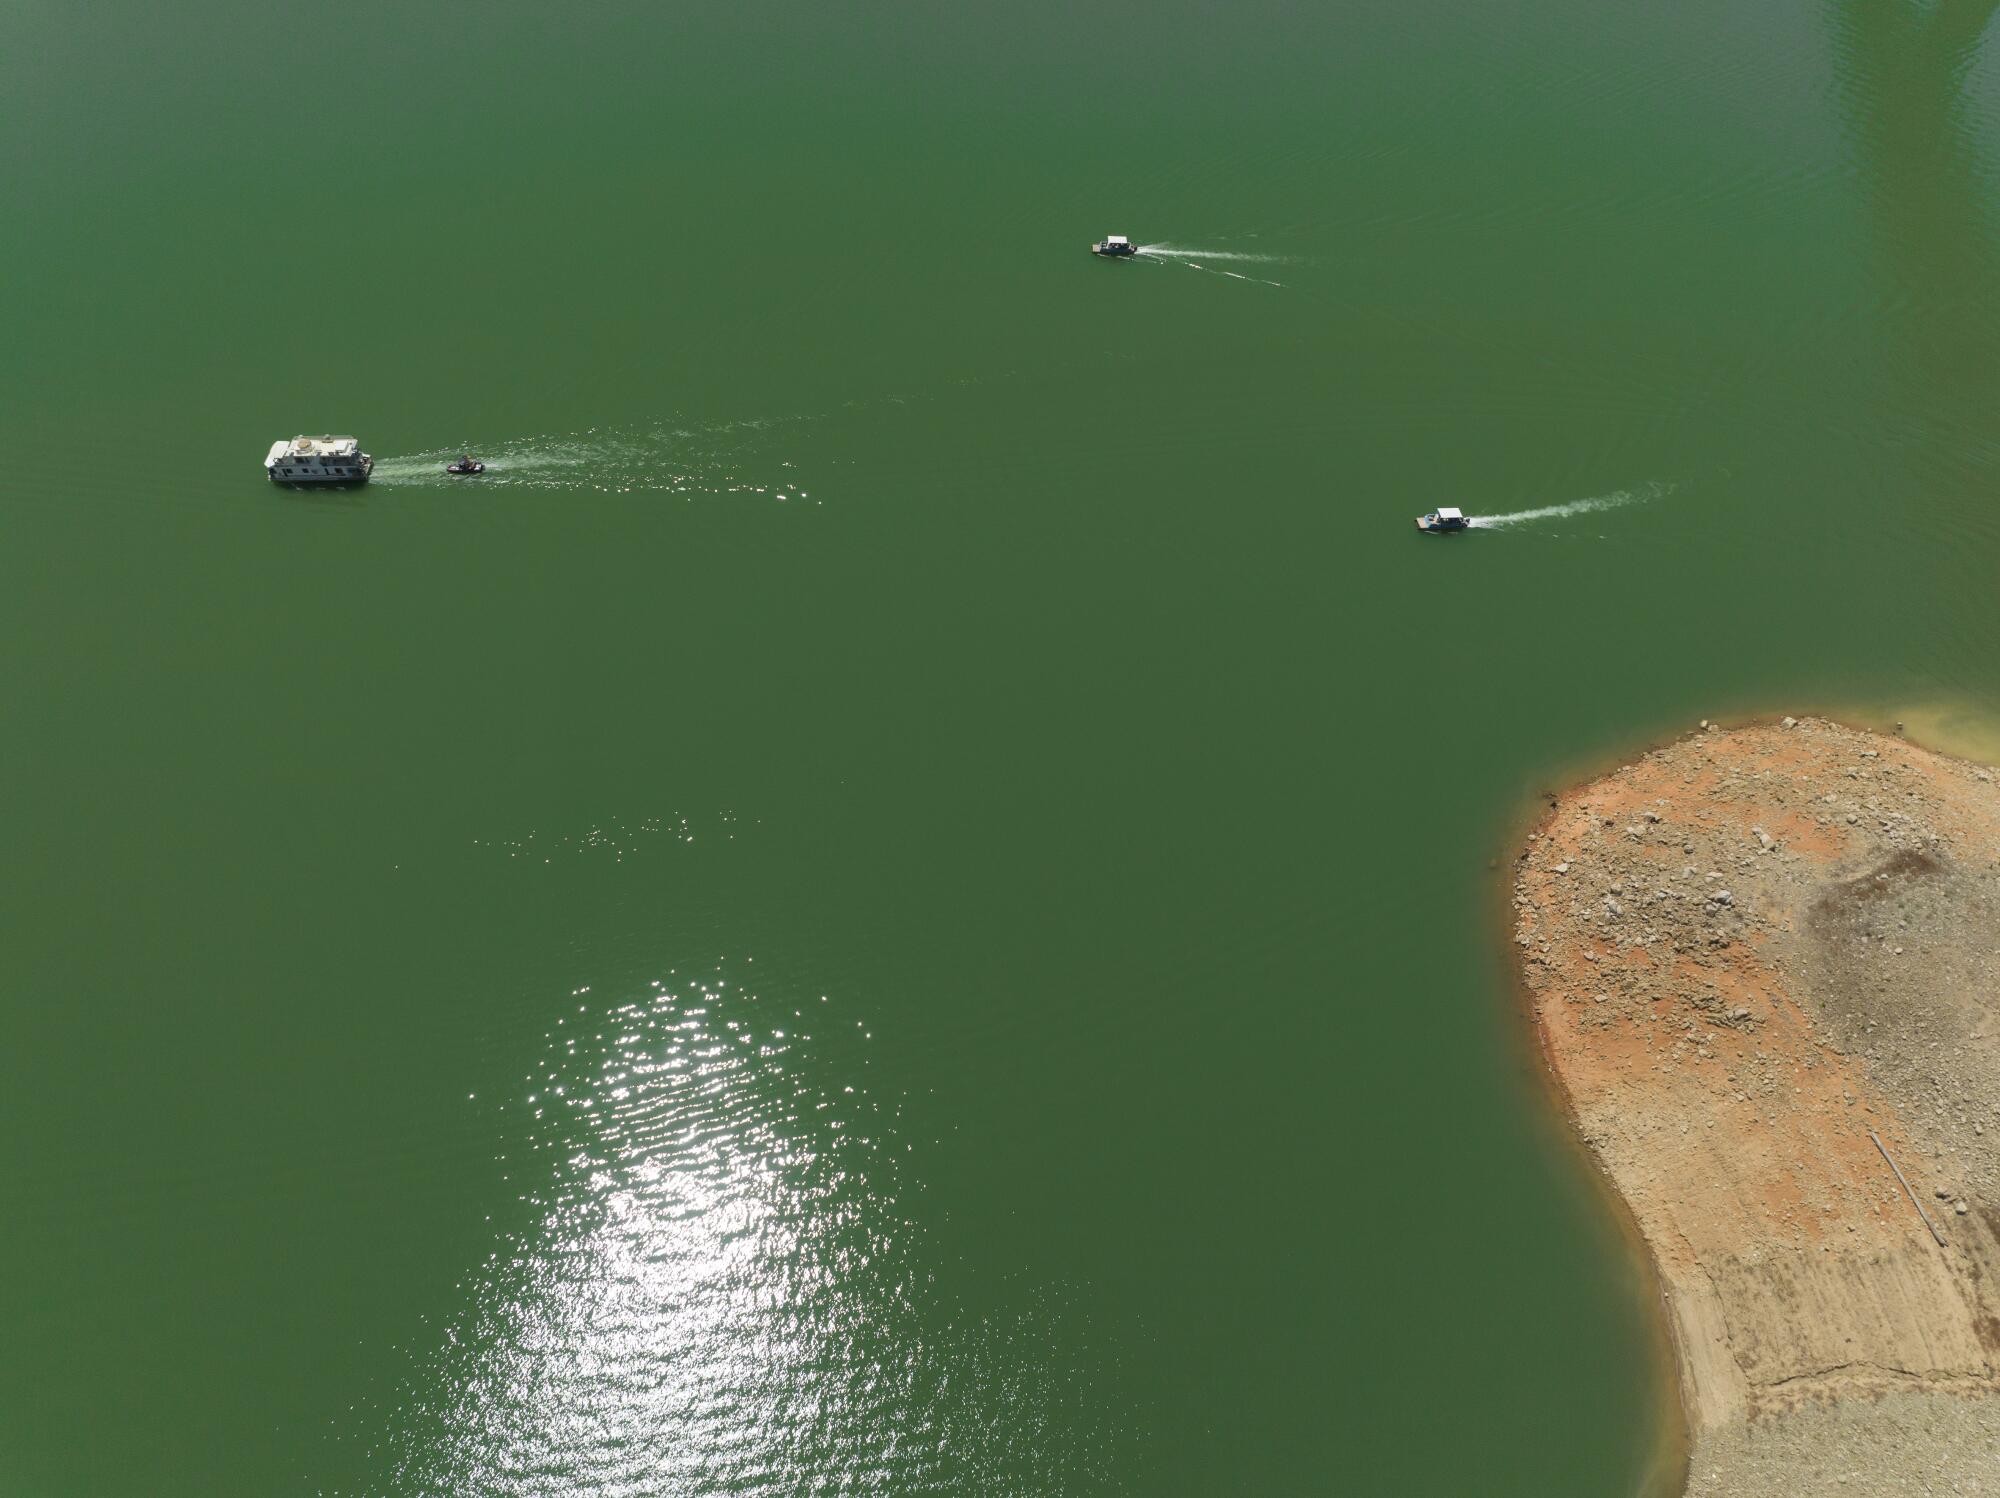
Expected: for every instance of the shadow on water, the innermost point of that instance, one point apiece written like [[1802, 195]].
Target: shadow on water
[[325, 496]]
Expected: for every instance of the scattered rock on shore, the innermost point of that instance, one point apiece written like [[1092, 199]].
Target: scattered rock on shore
[[1732, 1007]]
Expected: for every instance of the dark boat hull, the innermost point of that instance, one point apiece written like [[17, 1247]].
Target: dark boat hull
[[354, 481]]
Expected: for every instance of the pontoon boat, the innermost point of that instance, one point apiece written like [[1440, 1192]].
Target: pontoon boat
[[1442, 520]]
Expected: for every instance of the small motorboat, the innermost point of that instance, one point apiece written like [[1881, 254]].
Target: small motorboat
[[1442, 521], [465, 467], [1114, 245]]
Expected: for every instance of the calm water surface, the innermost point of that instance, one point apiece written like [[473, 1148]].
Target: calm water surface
[[898, 900]]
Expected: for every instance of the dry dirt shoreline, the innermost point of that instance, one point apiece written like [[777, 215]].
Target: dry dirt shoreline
[[1748, 955]]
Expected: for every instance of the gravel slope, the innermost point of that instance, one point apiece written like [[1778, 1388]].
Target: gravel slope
[[1751, 955]]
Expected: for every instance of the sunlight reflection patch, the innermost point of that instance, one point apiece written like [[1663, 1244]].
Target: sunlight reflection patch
[[719, 1296]]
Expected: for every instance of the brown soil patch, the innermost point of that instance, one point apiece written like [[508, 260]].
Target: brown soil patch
[[1744, 952]]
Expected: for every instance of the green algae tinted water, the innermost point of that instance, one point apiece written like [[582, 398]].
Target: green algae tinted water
[[898, 899]]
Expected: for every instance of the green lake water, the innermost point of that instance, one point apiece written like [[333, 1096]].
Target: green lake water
[[900, 898]]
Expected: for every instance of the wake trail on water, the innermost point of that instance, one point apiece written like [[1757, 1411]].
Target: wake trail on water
[[1172, 254], [1184, 252], [728, 458], [1618, 499]]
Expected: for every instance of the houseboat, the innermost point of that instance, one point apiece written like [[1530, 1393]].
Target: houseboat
[[318, 460]]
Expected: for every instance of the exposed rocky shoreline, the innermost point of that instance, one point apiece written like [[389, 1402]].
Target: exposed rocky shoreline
[[1763, 963]]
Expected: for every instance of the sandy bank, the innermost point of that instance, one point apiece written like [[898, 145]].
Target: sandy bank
[[1744, 953]]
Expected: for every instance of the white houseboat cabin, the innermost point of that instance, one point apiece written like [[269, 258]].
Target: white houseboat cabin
[[318, 460]]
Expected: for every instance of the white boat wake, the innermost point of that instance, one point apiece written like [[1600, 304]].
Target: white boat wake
[[1170, 254], [1183, 252], [1616, 500], [727, 458]]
